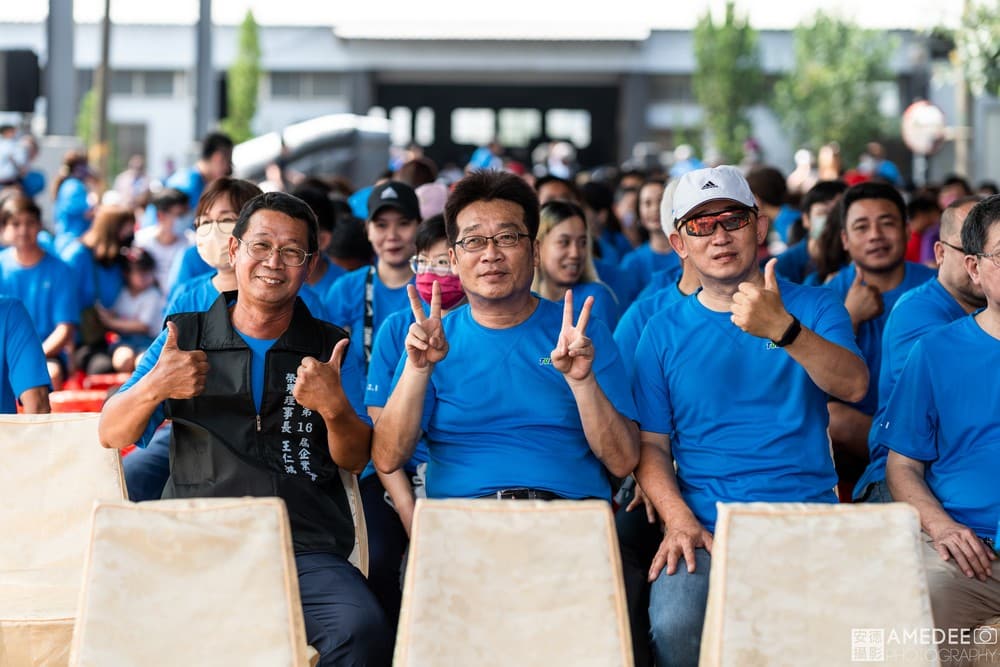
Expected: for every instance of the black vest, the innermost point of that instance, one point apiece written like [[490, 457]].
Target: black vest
[[222, 447]]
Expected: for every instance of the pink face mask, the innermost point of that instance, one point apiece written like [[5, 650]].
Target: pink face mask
[[451, 288]]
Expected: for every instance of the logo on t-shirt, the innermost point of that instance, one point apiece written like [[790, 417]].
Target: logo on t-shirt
[[545, 361], [770, 345]]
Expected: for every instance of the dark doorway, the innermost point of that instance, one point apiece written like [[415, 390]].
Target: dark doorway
[[574, 104]]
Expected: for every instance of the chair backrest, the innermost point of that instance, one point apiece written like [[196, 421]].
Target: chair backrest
[[816, 584], [492, 582], [189, 583], [359, 555], [53, 470]]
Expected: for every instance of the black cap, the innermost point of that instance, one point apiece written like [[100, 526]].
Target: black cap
[[394, 194]]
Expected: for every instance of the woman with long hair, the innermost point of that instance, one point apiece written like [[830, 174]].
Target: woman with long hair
[[565, 261], [97, 264]]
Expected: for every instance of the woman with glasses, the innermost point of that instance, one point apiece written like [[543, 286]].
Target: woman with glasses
[[387, 544], [564, 262]]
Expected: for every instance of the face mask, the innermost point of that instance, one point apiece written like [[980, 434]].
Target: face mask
[[816, 225], [214, 249], [451, 288]]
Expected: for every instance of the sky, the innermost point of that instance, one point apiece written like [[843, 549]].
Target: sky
[[510, 18]]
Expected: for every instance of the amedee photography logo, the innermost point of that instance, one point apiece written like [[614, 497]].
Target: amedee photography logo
[[951, 645]]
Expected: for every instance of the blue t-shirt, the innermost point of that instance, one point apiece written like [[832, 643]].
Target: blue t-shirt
[[498, 415], [69, 210], [187, 266], [605, 306], [258, 351], [659, 280], [628, 333], [613, 246], [95, 281], [199, 293], [943, 411], [345, 304], [333, 272], [644, 262], [22, 362], [626, 286], [919, 311], [45, 289], [869, 334], [795, 263], [787, 216], [350, 374], [388, 349], [746, 422]]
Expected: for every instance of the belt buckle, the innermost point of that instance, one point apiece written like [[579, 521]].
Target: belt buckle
[[989, 542], [515, 494]]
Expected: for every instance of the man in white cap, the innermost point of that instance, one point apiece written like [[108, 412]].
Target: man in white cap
[[732, 385]]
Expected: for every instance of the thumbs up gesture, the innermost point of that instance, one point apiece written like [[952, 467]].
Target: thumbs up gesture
[[759, 310], [863, 302], [180, 373], [317, 383]]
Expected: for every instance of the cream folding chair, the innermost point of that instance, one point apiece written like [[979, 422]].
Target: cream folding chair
[[191, 582], [813, 584], [53, 470], [493, 582]]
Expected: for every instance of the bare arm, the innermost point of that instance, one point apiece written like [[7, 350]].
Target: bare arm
[[834, 369], [399, 426], [849, 428], [60, 337], [683, 532], [951, 539], [177, 374], [35, 400], [612, 437]]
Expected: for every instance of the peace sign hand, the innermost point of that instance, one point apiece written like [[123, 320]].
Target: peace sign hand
[[574, 353], [425, 341]]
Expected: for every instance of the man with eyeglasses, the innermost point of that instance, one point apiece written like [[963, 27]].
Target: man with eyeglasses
[[516, 400], [731, 384], [939, 301], [873, 232], [943, 429], [258, 393]]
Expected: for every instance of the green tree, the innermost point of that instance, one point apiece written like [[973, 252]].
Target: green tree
[[832, 92], [244, 76], [728, 79], [85, 130], [978, 44]]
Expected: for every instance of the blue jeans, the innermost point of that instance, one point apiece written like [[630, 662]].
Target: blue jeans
[[876, 492], [147, 469], [677, 612], [343, 620]]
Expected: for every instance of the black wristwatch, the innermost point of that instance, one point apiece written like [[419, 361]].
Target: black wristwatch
[[791, 333]]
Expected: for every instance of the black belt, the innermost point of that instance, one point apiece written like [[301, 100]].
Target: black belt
[[524, 494]]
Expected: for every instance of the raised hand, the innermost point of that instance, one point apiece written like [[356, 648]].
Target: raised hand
[[318, 386], [574, 352], [760, 311], [180, 373], [425, 342], [863, 302]]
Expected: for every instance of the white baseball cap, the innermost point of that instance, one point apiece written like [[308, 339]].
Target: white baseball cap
[[712, 184]]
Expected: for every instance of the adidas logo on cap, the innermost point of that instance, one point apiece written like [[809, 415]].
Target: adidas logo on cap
[[709, 186], [389, 193]]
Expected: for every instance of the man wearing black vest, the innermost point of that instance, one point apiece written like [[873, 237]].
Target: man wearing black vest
[[255, 387]]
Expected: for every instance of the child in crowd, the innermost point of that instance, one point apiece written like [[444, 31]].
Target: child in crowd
[[136, 314]]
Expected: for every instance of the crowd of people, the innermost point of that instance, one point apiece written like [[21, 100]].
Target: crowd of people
[[661, 341]]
